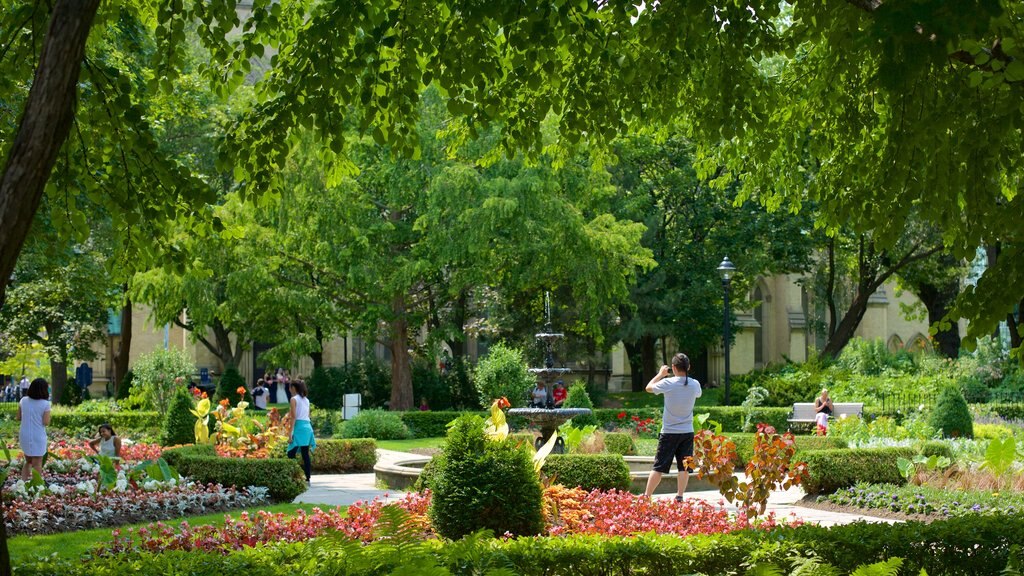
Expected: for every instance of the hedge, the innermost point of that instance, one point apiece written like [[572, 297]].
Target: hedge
[[588, 471], [620, 443], [958, 547], [343, 456], [427, 423], [730, 417], [745, 445], [283, 477], [831, 470], [130, 420]]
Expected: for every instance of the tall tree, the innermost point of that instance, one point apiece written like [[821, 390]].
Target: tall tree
[[60, 299], [691, 226]]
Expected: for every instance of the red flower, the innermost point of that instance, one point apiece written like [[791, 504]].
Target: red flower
[[241, 390], [622, 415], [503, 402], [225, 402]]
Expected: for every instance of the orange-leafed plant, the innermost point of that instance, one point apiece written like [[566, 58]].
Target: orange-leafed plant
[[770, 468]]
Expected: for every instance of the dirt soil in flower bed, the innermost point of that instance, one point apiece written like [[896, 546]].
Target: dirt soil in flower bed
[[810, 501]]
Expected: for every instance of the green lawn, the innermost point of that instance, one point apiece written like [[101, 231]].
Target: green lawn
[[72, 545], [406, 445]]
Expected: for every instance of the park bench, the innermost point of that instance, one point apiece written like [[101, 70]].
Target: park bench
[[803, 412]]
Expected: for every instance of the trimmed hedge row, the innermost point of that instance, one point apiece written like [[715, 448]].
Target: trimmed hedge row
[[588, 471], [620, 443], [745, 445], [959, 547], [283, 477], [128, 420], [344, 456], [831, 470]]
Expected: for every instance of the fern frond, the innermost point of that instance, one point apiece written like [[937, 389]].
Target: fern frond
[[765, 570], [890, 567], [812, 566]]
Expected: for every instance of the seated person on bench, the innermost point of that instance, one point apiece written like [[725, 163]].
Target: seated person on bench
[[822, 408]]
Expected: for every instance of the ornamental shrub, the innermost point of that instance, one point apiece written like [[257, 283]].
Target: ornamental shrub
[[484, 484], [503, 373], [73, 393], [158, 376], [283, 477], [620, 443], [830, 470], [429, 423], [326, 388], [344, 456], [73, 421], [588, 471], [745, 445], [951, 416], [179, 424], [377, 424], [228, 385], [577, 397]]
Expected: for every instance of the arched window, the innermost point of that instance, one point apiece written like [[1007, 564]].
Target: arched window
[[895, 343], [918, 343]]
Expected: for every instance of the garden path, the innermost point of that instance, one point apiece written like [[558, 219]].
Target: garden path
[[346, 489]]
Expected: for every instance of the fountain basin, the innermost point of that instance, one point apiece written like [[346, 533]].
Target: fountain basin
[[401, 475]]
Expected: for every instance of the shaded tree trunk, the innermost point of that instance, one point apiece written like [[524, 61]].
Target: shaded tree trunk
[[648, 358], [458, 344], [42, 129], [872, 272], [938, 300], [636, 376], [401, 370], [317, 356], [124, 346]]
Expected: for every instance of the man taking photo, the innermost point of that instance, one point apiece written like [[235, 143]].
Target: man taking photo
[[676, 439]]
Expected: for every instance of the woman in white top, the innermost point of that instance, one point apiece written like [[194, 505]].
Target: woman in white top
[[34, 415], [107, 444], [301, 432]]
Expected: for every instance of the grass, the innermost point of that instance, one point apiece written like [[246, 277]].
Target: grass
[[406, 445], [71, 545]]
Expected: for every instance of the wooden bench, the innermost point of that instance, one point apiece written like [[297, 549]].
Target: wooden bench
[[803, 412]]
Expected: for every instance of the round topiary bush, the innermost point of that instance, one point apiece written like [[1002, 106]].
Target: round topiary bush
[[179, 425], [228, 385], [951, 415], [578, 398], [503, 373], [377, 424], [484, 484], [620, 443]]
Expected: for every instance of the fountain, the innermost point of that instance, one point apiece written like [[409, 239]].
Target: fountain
[[549, 418]]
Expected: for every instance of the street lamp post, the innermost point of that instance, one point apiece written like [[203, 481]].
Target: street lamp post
[[726, 269]]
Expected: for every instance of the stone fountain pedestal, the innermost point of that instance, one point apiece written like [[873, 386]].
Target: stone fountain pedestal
[[548, 420]]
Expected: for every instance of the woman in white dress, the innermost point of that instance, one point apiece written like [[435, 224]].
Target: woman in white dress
[[34, 415]]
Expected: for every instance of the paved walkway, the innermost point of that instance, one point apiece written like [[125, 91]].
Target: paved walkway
[[345, 489]]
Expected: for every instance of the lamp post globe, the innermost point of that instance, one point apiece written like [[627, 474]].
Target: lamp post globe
[[726, 270]]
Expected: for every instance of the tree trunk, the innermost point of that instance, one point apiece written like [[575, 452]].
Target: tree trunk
[[830, 289], [317, 356], [401, 370], [636, 375], [458, 343], [58, 380], [42, 129], [938, 300], [847, 326], [648, 358], [124, 346]]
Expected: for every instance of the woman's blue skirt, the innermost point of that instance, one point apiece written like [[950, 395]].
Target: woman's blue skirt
[[302, 435]]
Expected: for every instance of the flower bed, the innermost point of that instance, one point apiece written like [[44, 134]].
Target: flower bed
[[568, 512], [53, 512], [130, 451], [92, 492], [926, 501]]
